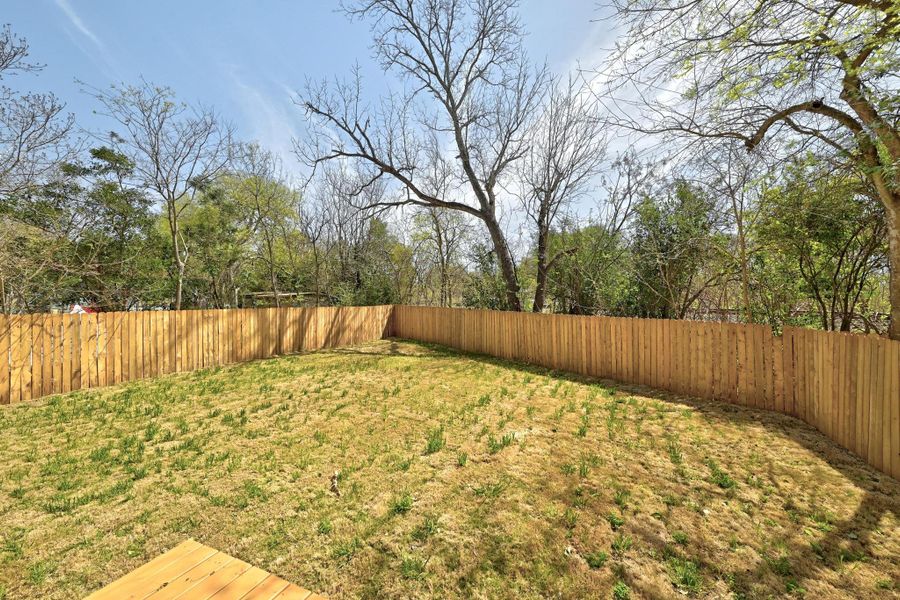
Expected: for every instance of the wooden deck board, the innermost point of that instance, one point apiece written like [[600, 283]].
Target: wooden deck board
[[192, 571]]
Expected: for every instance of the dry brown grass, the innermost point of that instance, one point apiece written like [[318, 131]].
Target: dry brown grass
[[707, 499]]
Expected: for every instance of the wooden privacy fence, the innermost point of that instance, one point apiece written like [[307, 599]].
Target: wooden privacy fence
[[45, 354], [845, 385]]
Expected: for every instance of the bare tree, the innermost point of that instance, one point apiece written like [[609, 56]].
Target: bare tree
[[822, 73], [34, 132], [336, 227], [314, 226], [738, 179], [591, 262], [567, 149], [35, 138], [471, 89], [177, 150], [439, 239]]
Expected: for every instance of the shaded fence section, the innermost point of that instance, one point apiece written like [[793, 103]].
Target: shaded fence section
[[845, 385], [45, 354]]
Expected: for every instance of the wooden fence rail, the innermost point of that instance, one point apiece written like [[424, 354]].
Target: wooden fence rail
[[845, 385], [45, 354]]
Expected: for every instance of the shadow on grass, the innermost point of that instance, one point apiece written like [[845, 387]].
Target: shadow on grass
[[847, 541]]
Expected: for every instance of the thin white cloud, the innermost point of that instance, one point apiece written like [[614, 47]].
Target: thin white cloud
[[78, 23], [269, 115]]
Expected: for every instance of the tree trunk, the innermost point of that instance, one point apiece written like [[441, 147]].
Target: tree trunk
[[274, 288], [891, 201], [745, 269], [272, 278], [172, 216], [880, 171], [541, 283], [507, 267], [179, 283], [893, 231]]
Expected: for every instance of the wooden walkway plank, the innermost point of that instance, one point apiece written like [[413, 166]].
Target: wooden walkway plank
[[192, 571], [267, 589], [210, 586], [241, 586], [185, 582], [295, 593], [160, 561], [138, 587]]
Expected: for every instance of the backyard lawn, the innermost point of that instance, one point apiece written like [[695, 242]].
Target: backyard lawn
[[400, 470]]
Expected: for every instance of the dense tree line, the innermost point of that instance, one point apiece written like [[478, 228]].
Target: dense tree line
[[489, 181]]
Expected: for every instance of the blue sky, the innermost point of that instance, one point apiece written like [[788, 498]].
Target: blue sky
[[245, 57]]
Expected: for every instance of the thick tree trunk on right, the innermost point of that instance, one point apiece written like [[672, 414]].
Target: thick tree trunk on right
[[893, 231], [540, 290], [507, 266]]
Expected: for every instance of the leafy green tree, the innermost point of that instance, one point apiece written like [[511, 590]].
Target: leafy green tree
[[219, 229], [820, 74], [377, 269], [177, 151], [674, 247], [587, 277], [825, 230], [438, 238], [485, 287], [118, 254], [87, 237], [260, 186]]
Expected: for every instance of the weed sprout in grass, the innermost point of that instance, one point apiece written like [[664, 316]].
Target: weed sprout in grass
[[435, 441], [584, 469], [685, 574], [780, 565], [615, 521], [490, 490], [495, 445], [401, 504], [720, 477], [412, 568], [621, 591], [621, 544], [621, 498], [324, 527], [680, 538], [426, 529], [671, 500], [13, 545], [583, 427], [674, 452], [596, 560], [346, 549], [40, 570]]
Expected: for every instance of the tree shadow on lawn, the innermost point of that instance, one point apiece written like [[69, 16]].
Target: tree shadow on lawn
[[846, 541]]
